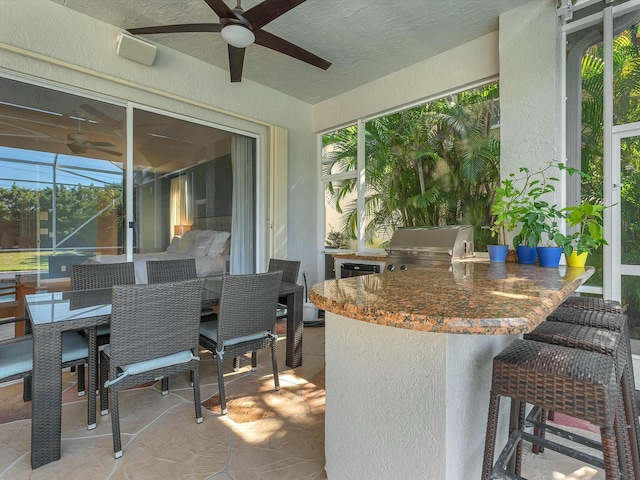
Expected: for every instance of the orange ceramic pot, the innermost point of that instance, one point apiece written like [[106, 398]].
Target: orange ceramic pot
[[575, 260]]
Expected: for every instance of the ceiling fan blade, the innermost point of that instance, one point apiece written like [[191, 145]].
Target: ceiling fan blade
[[182, 28], [10, 130], [278, 44], [220, 8], [100, 115], [101, 144], [269, 10], [236, 61], [105, 150]]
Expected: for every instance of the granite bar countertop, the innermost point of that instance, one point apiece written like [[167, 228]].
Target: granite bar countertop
[[472, 298], [381, 256]]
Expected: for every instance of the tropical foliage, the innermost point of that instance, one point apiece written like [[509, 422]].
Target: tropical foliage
[[75, 206], [434, 164]]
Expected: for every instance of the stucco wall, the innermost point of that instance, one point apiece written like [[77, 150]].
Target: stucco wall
[[403, 404], [471, 63], [529, 110], [530, 132]]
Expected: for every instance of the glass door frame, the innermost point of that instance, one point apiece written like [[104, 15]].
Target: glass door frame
[[613, 288]]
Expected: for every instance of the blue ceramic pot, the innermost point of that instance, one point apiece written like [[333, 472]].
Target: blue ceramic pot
[[497, 253], [526, 255], [549, 256]]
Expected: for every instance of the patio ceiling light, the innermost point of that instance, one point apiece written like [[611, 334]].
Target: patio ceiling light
[[237, 35]]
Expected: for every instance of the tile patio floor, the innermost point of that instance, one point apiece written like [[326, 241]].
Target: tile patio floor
[[266, 435]]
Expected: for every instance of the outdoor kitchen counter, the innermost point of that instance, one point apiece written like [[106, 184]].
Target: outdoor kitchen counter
[[380, 257], [411, 401], [473, 298]]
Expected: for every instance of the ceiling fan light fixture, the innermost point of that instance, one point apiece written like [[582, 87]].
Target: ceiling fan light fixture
[[237, 36], [77, 148]]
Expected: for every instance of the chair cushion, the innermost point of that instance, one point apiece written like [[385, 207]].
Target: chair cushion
[[74, 347], [149, 365], [210, 330], [17, 358], [103, 330]]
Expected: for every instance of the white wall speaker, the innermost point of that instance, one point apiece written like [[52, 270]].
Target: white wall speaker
[[134, 49]]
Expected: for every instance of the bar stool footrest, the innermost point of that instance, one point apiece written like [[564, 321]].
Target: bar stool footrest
[[500, 468], [531, 421]]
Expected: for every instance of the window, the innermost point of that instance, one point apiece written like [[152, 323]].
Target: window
[[433, 164], [339, 175], [61, 191]]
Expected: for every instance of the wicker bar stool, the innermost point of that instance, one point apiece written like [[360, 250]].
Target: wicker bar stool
[[571, 381], [594, 304], [603, 341], [615, 322]]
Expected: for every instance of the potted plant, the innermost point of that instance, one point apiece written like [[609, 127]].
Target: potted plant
[[537, 217], [588, 237], [549, 254], [504, 219], [508, 206]]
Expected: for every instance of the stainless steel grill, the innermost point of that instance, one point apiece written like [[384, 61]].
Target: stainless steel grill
[[422, 246]]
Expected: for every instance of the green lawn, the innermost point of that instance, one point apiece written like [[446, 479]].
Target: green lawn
[[15, 260]]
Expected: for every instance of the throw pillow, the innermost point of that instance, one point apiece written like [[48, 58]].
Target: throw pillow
[[173, 246], [185, 243], [200, 246], [217, 245]]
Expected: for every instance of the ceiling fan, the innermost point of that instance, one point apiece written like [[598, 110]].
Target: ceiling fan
[[240, 29], [79, 142]]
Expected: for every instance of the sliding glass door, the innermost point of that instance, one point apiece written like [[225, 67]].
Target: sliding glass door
[[61, 186], [192, 176], [64, 176]]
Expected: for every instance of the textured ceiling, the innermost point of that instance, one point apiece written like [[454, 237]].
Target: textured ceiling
[[363, 39]]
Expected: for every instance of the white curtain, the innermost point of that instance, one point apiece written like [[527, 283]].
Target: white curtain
[[243, 206], [181, 212]]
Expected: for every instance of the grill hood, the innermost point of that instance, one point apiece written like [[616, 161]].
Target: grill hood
[[422, 245]]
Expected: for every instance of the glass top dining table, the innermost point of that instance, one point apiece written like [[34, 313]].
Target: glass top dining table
[[52, 313]]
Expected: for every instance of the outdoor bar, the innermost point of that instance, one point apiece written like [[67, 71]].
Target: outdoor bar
[[408, 362]]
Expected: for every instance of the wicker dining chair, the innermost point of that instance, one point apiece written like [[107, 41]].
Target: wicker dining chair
[[154, 333], [101, 275], [246, 321], [160, 271], [290, 269], [16, 357]]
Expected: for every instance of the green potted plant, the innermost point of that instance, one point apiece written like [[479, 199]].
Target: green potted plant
[[537, 218], [588, 237], [506, 210], [549, 253]]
